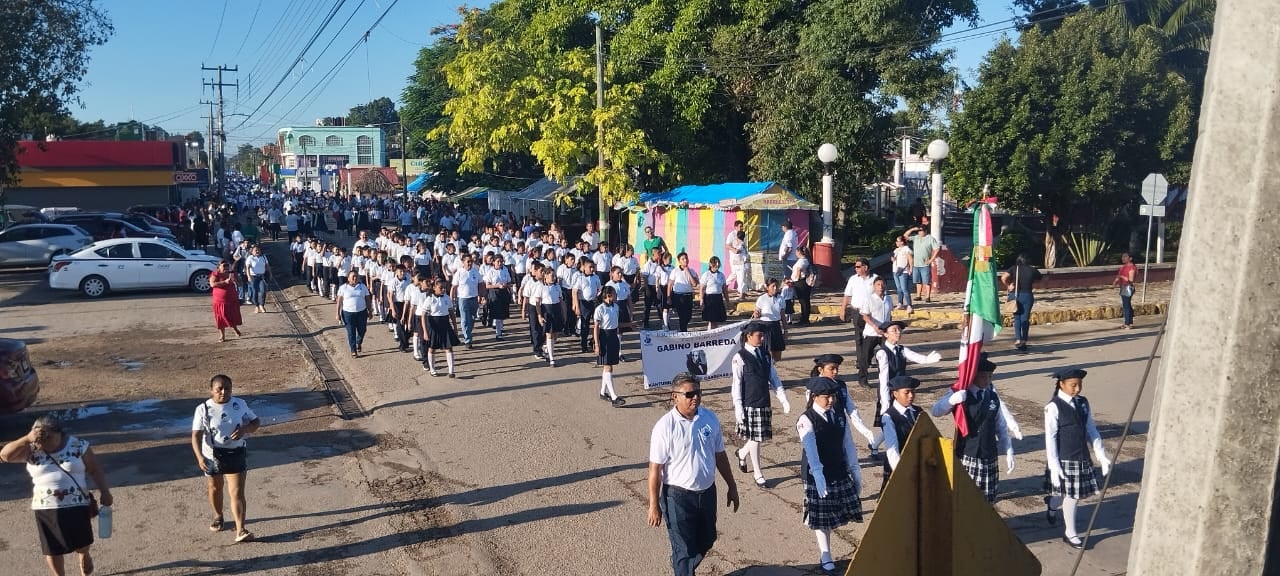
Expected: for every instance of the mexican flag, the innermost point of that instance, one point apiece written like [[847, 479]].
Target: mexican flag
[[981, 305]]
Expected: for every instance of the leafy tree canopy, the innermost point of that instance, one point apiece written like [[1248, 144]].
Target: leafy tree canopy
[[380, 111], [44, 51], [1077, 116]]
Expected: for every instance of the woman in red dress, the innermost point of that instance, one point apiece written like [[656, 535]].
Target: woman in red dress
[[226, 301]]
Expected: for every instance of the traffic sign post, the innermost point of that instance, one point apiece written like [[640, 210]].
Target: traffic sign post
[[1154, 190]]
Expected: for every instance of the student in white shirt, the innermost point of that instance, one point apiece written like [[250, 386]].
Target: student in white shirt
[[769, 311], [898, 420], [753, 379], [603, 261], [297, 249], [988, 435], [551, 312], [651, 269], [466, 289], [828, 466], [438, 330], [497, 280], [892, 358], [586, 289], [623, 291], [736, 243], [787, 249], [353, 300], [1069, 434], [567, 276], [876, 315], [711, 290], [607, 343], [530, 287], [258, 269], [681, 286]]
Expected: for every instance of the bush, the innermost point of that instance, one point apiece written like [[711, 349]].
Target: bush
[[885, 241], [1009, 246]]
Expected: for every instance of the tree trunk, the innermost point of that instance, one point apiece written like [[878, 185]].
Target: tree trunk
[[1050, 249]]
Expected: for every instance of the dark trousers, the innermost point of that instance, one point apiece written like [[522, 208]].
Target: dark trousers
[[588, 309], [570, 319], [1022, 316], [691, 526], [1126, 304], [650, 302], [866, 347], [803, 294], [356, 323], [683, 305], [536, 337]]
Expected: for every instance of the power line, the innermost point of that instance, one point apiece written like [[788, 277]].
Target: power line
[[252, 21], [217, 34]]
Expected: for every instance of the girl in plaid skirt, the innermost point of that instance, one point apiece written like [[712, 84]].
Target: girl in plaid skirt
[[989, 433], [1069, 432], [754, 376], [829, 467]]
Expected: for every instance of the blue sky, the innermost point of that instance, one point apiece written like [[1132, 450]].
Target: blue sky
[[150, 69]]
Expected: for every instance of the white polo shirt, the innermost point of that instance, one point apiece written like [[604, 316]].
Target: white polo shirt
[[353, 297], [687, 449], [467, 282]]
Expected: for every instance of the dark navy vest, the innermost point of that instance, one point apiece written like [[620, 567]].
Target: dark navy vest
[[901, 425], [755, 379], [982, 418], [1073, 442], [895, 364], [830, 440]]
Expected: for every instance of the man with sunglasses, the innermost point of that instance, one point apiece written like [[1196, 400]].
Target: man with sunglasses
[[685, 451]]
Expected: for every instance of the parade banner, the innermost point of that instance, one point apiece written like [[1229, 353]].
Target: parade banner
[[706, 355]]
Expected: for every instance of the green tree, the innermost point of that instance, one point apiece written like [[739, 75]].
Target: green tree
[[247, 159], [380, 111], [44, 53], [1078, 116]]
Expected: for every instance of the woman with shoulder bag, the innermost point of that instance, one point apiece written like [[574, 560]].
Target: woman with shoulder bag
[[218, 434], [1019, 279], [801, 276], [64, 509], [1124, 279]]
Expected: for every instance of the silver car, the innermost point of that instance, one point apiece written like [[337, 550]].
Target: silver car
[[37, 244]]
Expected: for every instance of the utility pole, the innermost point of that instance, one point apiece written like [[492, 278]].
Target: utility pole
[[602, 206], [221, 164], [208, 141]]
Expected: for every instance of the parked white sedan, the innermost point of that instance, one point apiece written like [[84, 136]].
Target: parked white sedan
[[131, 264]]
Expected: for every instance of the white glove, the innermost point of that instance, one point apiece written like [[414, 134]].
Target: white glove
[[957, 397], [932, 357], [786, 404], [821, 482], [1008, 459], [739, 414], [1056, 478], [1106, 467]]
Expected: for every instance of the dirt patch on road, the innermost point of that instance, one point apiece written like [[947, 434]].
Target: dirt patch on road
[[146, 363]]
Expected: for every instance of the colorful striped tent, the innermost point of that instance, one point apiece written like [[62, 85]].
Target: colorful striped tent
[[696, 220]]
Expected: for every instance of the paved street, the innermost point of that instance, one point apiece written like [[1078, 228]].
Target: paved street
[[513, 468]]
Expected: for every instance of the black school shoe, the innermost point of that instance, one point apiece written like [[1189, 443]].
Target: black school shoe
[[619, 402], [1050, 515], [1077, 545]]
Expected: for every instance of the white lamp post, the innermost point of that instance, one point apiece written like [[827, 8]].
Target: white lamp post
[[938, 151], [827, 154]]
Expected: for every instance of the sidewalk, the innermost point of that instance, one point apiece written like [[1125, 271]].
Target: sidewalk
[[1052, 306]]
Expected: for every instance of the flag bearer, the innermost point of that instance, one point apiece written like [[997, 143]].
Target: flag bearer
[[988, 435]]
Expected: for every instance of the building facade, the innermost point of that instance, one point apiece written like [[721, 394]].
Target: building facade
[[102, 174], [312, 156]]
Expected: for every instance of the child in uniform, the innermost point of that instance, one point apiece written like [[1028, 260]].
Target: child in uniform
[[1069, 432], [530, 286], [438, 329], [586, 289], [551, 313], [769, 311], [897, 421], [988, 435], [828, 466], [754, 376], [711, 287], [607, 345], [892, 358]]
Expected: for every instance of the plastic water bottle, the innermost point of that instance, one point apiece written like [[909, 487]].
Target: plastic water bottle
[[104, 522]]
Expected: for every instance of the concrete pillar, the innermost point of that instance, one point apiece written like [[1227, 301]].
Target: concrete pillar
[[1211, 463]]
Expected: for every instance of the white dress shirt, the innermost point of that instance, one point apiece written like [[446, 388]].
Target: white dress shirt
[[587, 287], [892, 444], [437, 305], [770, 307], [787, 249], [622, 289], [1051, 434], [880, 311], [858, 289], [606, 316], [687, 448], [602, 260]]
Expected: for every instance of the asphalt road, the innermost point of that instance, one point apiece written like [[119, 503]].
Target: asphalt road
[[512, 468]]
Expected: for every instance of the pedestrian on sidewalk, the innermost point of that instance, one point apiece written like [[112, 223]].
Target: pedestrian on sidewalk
[[736, 244], [60, 501], [1124, 279], [856, 292], [1019, 279], [605, 323], [258, 269], [226, 302], [218, 433], [753, 377], [438, 329], [924, 251], [1069, 432], [769, 308], [801, 291], [828, 466], [712, 287], [686, 449], [902, 267], [988, 437], [354, 303]]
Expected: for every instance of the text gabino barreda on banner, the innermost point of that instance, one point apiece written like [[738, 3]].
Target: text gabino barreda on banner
[[707, 355]]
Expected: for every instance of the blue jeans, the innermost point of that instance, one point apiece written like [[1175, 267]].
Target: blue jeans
[[356, 323], [1022, 316], [1126, 302], [902, 284], [467, 307], [257, 290], [691, 526]]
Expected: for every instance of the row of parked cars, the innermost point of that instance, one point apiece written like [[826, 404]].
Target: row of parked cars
[[99, 252]]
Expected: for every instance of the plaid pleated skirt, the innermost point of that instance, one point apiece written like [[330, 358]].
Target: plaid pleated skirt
[[1080, 481], [842, 505], [757, 424], [985, 474]]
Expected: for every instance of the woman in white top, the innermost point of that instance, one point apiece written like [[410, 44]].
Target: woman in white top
[[711, 288], [680, 289], [438, 331], [800, 289], [258, 269], [421, 259], [903, 262], [608, 346], [60, 500], [354, 311], [497, 280], [769, 309], [549, 301]]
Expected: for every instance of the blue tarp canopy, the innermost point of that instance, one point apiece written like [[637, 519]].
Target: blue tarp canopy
[[730, 195], [419, 183]]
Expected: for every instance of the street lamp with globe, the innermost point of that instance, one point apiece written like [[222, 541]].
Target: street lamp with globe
[[938, 151], [827, 154]]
